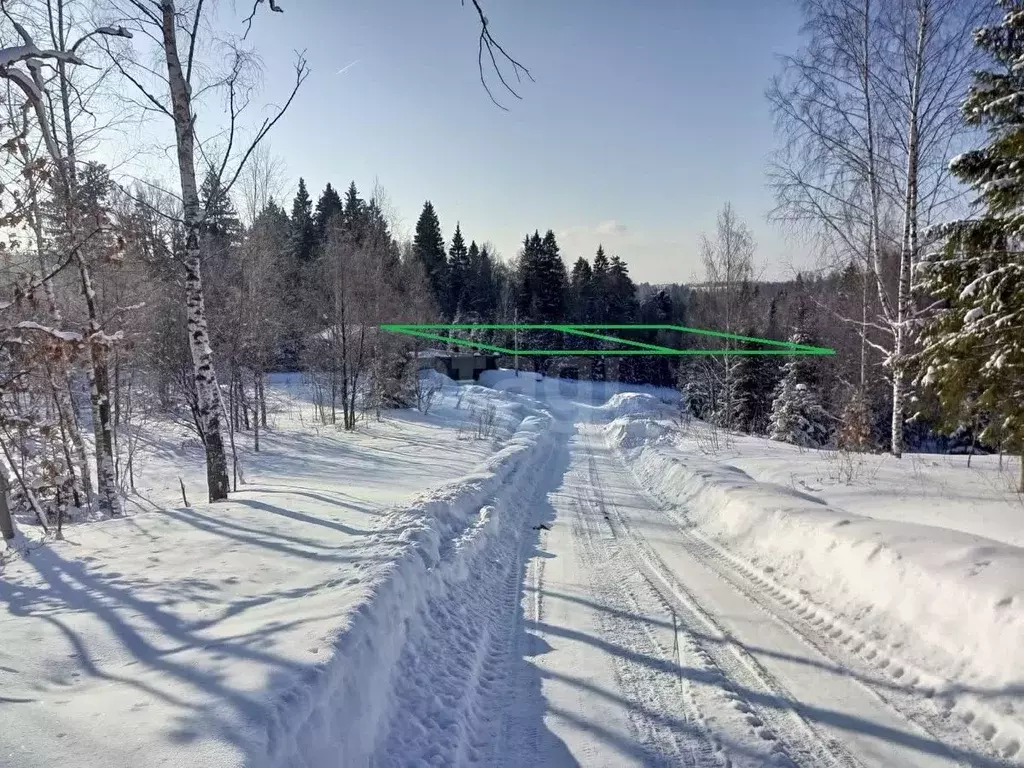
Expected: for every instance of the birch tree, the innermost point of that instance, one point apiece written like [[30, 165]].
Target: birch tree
[[868, 113], [177, 30], [78, 234], [728, 261]]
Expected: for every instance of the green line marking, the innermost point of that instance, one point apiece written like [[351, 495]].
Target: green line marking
[[588, 335], [584, 330]]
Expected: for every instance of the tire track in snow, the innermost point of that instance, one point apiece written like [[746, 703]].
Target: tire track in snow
[[916, 695], [675, 727], [767, 707], [843, 651]]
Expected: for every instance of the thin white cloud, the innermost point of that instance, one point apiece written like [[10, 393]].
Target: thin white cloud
[[611, 227]]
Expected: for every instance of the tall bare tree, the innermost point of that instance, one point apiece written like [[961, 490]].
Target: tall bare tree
[[868, 115], [728, 262], [177, 30]]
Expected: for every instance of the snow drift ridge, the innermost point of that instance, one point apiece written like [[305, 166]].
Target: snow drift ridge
[[950, 603], [336, 715]]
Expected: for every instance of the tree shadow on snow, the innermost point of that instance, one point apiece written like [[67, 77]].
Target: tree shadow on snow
[[812, 714], [207, 704], [525, 738]]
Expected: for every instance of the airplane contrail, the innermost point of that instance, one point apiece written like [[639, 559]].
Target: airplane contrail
[[347, 67]]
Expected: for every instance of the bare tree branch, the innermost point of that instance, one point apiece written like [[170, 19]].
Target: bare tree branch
[[255, 6], [494, 50], [192, 42], [301, 73]]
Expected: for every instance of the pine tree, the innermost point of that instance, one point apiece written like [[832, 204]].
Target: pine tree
[[429, 251], [355, 215], [973, 348], [460, 275], [302, 238], [328, 208]]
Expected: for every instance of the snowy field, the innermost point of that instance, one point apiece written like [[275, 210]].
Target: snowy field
[[535, 572]]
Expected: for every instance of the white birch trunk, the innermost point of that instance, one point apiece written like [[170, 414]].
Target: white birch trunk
[[207, 388], [908, 249]]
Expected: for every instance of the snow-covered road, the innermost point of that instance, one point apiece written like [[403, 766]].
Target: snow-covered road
[[584, 584], [634, 641], [662, 651]]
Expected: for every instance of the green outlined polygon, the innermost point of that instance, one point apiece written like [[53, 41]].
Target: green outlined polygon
[[588, 331]]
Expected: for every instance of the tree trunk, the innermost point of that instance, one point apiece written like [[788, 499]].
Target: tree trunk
[[70, 436], [232, 415], [908, 250], [6, 521], [262, 399], [99, 388], [61, 385], [256, 420], [98, 371], [205, 376]]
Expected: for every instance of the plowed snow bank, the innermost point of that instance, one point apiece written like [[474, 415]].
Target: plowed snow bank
[[949, 603]]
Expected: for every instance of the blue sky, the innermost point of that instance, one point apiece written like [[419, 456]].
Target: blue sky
[[644, 119]]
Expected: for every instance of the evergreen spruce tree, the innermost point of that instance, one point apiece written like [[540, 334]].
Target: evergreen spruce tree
[[429, 251], [528, 278], [355, 214], [797, 415], [550, 298], [302, 237], [622, 304], [460, 275], [973, 348], [541, 288], [600, 287], [297, 261], [657, 310], [490, 288], [478, 284], [696, 386], [220, 219], [328, 208], [581, 290], [751, 400]]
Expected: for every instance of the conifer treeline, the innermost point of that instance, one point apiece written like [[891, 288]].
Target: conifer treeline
[[807, 401]]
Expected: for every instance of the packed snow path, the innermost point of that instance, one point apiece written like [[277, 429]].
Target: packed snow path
[[599, 631]]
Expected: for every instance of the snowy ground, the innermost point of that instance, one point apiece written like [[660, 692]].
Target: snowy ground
[[589, 583], [175, 636], [929, 489]]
